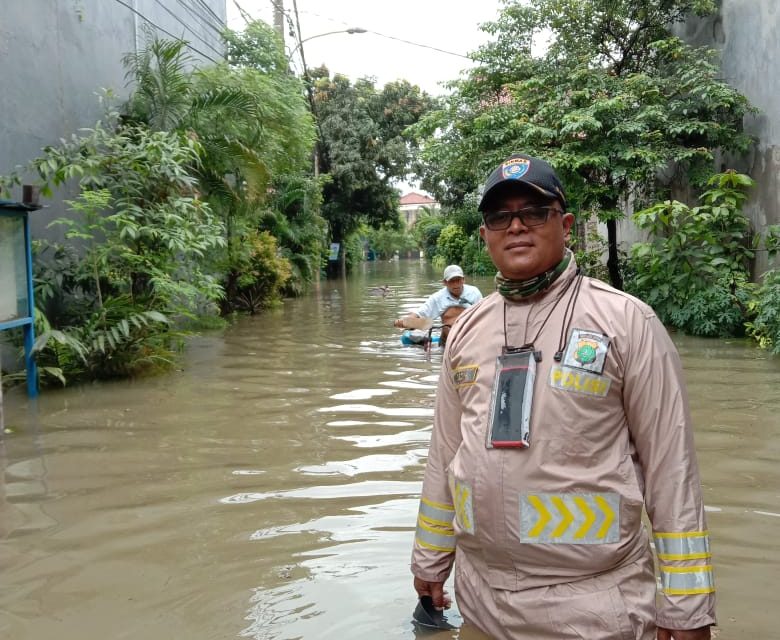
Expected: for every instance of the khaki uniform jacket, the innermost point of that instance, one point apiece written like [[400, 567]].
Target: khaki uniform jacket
[[603, 445]]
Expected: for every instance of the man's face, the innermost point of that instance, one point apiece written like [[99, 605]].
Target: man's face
[[455, 286], [520, 252]]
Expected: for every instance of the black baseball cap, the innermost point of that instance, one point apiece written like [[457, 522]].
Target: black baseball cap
[[526, 170]]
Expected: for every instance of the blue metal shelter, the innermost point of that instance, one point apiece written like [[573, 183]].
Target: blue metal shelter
[[16, 281]]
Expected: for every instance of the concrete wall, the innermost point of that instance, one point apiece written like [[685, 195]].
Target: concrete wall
[[56, 55], [746, 34]]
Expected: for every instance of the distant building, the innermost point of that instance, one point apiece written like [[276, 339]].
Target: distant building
[[413, 203]]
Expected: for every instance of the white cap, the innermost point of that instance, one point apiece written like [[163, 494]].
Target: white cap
[[453, 271]]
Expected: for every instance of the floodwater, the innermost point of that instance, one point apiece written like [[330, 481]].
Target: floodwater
[[268, 489]]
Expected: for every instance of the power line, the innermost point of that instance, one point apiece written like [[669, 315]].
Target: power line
[[156, 26], [329, 19], [383, 35], [204, 19], [299, 38], [291, 24], [188, 28], [247, 18], [417, 44], [217, 19]]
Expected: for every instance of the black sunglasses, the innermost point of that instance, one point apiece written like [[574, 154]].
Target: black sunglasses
[[529, 216]]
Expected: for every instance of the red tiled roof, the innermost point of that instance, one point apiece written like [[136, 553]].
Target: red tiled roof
[[416, 198]]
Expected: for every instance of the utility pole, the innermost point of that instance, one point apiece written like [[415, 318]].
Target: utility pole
[[279, 18], [309, 91]]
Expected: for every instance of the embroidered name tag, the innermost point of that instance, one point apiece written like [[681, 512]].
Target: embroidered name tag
[[578, 381], [587, 350], [462, 376]]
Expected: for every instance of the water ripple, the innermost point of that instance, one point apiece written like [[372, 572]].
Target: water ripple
[[357, 489]]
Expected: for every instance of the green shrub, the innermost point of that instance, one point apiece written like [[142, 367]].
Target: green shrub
[[765, 326], [452, 244], [258, 274], [426, 232], [353, 246], [143, 236], [115, 340], [695, 270], [591, 259], [718, 311], [476, 259]]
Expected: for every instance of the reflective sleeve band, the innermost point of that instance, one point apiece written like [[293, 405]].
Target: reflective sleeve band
[[694, 545], [437, 512], [434, 537], [434, 526], [684, 581]]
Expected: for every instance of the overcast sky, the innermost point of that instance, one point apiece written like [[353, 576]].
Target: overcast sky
[[451, 26]]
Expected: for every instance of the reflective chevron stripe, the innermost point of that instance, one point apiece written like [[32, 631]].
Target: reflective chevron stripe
[[568, 518], [693, 545], [464, 508], [434, 526], [683, 581]]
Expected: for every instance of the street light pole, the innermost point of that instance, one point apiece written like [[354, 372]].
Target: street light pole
[[310, 94], [308, 83], [320, 35]]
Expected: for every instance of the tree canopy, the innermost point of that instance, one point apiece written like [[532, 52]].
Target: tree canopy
[[363, 147], [620, 106]]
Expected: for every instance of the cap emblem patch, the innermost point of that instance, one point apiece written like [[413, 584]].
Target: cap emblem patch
[[515, 168]]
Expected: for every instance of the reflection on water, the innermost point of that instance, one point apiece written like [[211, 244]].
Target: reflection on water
[[268, 490]]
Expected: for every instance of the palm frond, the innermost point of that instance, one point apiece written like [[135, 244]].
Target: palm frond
[[162, 95], [220, 100]]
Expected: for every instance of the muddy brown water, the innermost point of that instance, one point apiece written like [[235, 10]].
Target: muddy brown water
[[268, 489]]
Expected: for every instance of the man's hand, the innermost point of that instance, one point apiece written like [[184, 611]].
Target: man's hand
[[399, 323], [415, 322], [702, 633], [434, 589]]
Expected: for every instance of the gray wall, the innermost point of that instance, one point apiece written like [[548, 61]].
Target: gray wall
[[56, 55], [746, 34]]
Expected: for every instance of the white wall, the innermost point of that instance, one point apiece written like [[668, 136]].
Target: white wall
[[746, 34], [55, 55]]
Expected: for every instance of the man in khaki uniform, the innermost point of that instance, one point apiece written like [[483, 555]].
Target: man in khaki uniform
[[561, 413]]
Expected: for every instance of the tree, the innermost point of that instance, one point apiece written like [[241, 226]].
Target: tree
[[395, 108], [363, 148], [387, 240], [694, 271], [622, 108], [142, 231], [252, 123], [257, 47], [256, 134], [291, 211], [427, 229]]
